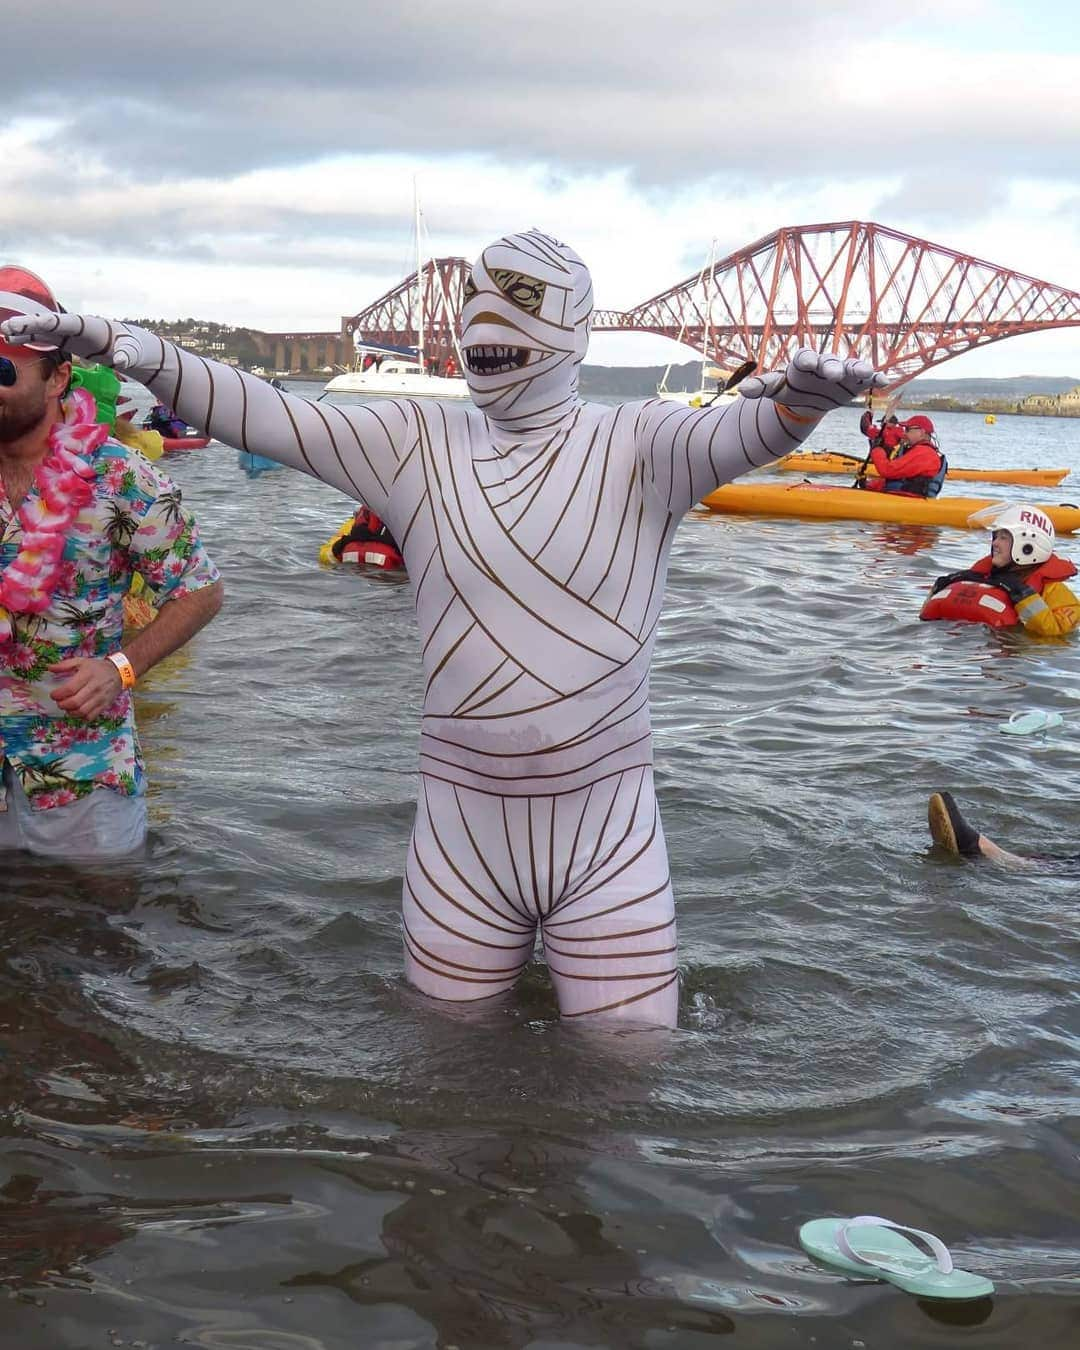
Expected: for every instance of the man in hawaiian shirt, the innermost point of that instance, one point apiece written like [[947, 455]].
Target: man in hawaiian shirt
[[79, 515]]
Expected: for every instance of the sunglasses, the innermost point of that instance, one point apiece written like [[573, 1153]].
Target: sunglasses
[[9, 371]]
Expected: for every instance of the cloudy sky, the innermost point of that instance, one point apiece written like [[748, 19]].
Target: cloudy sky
[[254, 163]]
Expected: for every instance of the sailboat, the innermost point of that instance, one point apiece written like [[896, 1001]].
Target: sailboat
[[383, 371], [704, 396]]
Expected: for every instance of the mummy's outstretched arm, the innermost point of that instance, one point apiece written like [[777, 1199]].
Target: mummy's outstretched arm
[[356, 449], [687, 452]]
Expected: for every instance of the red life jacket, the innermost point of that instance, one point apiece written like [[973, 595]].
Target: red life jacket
[[367, 519], [890, 436], [372, 553], [369, 541], [982, 602], [1053, 569]]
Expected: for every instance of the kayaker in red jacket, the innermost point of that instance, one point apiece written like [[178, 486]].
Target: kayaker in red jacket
[[917, 469], [888, 435]]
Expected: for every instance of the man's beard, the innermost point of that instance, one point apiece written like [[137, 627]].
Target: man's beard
[[17, 421]]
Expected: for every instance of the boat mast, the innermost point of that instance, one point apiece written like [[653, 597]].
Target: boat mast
[[711, 282], [662, 388], [419, 282]]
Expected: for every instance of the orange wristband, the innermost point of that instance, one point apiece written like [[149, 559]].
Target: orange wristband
[[793, 416], [126, 669]]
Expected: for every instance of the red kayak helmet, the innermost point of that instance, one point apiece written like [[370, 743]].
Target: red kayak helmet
[[23, 292]]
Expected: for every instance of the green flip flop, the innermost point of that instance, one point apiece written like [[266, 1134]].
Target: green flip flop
[[877, 1249], [1026, 723]]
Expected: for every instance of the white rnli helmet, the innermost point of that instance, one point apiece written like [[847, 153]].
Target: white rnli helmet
[[1032, 534]]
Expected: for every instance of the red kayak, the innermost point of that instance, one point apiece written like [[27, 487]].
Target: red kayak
[[184, 442]]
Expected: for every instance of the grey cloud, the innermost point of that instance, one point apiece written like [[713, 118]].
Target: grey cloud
[[928, 200], [667, 92], [65, 199], [154, 224]]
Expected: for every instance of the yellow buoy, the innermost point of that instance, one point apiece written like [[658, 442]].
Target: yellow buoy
[[990, 419]]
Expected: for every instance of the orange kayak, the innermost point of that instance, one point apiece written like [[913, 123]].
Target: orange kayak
[[828, 461], [808, 501], [170, 444]]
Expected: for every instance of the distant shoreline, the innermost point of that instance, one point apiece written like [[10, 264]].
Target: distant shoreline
[[1020, 395], [989, 407]]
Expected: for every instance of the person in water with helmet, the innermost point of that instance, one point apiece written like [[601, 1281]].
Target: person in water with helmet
[[1022, 563], [366, 528], [916, 468]]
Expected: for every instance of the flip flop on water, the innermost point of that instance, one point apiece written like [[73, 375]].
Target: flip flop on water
[[876, 1249], [1026, 723]]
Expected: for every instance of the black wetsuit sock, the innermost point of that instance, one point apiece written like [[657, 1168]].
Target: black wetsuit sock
[[967, 839]]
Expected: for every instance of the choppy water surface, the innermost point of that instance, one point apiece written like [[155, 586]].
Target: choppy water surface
[[225, 1120]]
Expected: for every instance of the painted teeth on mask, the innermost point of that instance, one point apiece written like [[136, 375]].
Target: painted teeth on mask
[[495, 360]]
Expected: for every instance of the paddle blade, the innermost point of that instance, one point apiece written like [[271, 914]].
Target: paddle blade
[[740, 374]]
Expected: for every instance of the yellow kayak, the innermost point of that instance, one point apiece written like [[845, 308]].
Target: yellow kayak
[[808, 501], [827, 461]]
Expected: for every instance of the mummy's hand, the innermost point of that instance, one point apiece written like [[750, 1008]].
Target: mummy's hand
[[98, 340], [815, 382]]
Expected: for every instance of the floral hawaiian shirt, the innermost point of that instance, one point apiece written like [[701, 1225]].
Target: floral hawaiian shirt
[[136, 523]]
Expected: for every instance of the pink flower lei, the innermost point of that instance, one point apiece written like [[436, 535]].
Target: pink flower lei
[[65, 485]]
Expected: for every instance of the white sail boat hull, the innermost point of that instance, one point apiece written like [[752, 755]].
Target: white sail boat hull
[[395, 378], [397, 384]]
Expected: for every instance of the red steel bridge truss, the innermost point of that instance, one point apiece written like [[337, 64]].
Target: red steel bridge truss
[[392, 320], [852, 287]]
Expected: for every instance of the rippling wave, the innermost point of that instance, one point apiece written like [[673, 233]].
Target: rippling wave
[[226, 1114]]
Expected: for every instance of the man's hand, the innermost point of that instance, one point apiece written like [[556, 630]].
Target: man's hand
[[111, 343], [815, 382], [92, 688]]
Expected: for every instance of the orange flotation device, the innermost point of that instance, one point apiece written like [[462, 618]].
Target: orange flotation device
[[972, 602], [365, 541], [372, 553], [981, 602]]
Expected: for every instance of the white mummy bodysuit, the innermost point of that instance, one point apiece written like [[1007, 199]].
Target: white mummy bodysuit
[[536, 531]]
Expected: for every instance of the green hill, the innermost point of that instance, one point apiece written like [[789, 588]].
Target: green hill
[[1013, 387], [641, 381]]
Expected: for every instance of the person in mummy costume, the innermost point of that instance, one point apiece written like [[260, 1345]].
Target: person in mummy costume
[[536, 530]]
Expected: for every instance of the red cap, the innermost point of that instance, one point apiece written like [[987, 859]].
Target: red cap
[[22, 292], [919, 423]]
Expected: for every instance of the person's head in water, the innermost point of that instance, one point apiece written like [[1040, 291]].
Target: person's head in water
[[1021, 536], [525, 329]]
